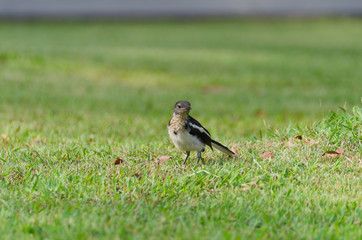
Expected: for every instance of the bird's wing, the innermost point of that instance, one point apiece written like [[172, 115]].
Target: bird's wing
[[196, 129]]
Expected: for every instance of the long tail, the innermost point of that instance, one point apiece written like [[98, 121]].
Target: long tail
[[221, 148]]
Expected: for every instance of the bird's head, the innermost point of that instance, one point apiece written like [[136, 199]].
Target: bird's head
[[182, 108]]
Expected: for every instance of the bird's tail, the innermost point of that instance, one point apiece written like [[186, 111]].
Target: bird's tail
[[222, 148]]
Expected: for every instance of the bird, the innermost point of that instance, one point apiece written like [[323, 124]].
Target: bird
[[187, 134]]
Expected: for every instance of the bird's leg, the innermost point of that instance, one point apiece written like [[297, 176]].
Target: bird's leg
[[198, 157], [187, 156]]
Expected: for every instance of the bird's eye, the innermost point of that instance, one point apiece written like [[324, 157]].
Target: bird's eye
[[179, 106]]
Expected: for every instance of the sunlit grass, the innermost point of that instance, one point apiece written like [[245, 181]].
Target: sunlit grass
[[75, 96]]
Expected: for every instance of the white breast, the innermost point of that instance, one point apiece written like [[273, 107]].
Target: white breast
[[184, 141]]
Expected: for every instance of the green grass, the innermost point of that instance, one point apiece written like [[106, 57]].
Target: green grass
[[74, 96]]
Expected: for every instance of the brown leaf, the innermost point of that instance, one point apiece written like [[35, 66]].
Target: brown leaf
[[4, 137], [260, 113], [266, 155], [299, 137], [340, 151], [163, 159], [330, 153], [235, 149], [118, 161]]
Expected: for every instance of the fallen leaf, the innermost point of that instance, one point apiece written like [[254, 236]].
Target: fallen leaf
[[338, 152], [266, 155], [330, 153], [118, 161], [4, 137], [234, 149], [260, 113], [299, 137], [163, 159]]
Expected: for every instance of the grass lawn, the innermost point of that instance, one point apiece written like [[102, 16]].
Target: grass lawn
[[75, 96]]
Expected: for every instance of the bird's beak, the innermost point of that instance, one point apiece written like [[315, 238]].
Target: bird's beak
[[186, 108]]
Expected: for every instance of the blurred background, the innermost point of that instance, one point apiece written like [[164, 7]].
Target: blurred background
[[116, 68], [173, 8]]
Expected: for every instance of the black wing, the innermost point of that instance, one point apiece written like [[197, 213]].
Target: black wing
[[196, 129]]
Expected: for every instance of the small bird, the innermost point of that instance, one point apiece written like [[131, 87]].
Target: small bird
[[189, 135]]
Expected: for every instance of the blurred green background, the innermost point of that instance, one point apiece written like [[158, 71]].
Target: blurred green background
[[120, 79]]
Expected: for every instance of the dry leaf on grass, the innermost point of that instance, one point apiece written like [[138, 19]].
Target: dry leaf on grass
[[260, 113], [118, 161], [299, 137], [338, 152], [163, 159], [266, 155], [4, 137], [330, 153]]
